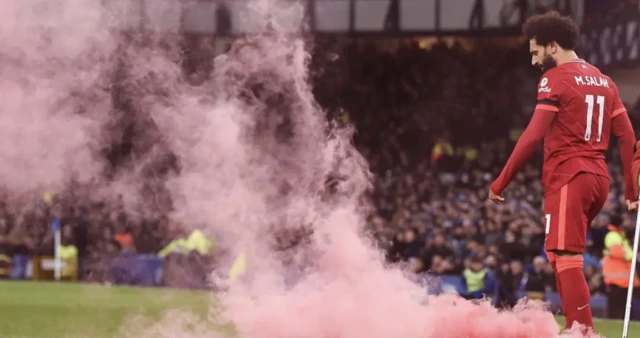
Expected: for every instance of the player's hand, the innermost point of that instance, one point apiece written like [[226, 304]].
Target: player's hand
[[495, 198], [632, 205]]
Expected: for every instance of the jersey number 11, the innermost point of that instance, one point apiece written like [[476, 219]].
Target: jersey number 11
[[589, 99]]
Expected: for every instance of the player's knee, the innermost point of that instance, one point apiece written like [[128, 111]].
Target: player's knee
[[565, 260], [554, 255]]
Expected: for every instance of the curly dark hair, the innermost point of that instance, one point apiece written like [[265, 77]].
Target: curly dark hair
[[552, 27]]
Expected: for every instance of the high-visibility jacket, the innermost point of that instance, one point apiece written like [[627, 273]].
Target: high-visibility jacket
[[69, 254], [440, 149], [197, 241], [616, 264], [475, 281], [5, 265], [470, 153]]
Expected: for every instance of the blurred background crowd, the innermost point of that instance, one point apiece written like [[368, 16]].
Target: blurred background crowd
[[437, 120]]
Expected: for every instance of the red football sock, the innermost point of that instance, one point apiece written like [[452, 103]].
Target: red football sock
[[575, 291], [552, 261]]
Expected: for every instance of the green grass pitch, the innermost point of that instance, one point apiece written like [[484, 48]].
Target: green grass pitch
[[51, 310]]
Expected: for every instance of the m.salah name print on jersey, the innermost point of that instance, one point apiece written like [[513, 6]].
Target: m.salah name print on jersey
[[595, 81]]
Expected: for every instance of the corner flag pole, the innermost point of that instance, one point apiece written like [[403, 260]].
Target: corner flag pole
[[632, 274], [57, 265]]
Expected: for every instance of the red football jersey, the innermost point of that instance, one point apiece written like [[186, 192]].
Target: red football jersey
[[585, 101]]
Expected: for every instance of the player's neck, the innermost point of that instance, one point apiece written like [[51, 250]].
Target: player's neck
[[566, 56]]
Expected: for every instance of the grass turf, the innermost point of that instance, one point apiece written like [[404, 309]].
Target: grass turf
[[48, 310]]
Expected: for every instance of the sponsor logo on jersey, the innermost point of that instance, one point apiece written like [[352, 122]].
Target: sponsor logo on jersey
[[544, 90], [543, 82]]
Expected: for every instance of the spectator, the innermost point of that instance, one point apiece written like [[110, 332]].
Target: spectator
[[412, 246], [594, 279], [397, 247], [435, 247], [124, 238], [80, 231], [616, 268], [510, 283], [477, 279], [537, 280], [68, 254]]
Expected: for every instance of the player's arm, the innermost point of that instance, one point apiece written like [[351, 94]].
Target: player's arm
[[527, 143], [622, 129], [549, 89]]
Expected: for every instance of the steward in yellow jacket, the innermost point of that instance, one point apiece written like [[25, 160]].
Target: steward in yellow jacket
[[616, 267]]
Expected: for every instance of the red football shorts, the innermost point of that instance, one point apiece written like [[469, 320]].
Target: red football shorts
[[570, 210]]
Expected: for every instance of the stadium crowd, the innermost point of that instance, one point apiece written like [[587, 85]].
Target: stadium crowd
[[436, 121]]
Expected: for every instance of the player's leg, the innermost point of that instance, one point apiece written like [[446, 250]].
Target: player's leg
[[552, 211], [567, 239], [587, 194], [575, 290]]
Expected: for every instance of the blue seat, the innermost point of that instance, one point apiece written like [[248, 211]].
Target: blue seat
[[153, 267], [598, 302], [635, 309], [553, 298], [599, 305], [132, 269], [19, 264]]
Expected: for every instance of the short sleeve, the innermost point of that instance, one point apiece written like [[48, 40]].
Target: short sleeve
[[549, 91]]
